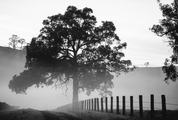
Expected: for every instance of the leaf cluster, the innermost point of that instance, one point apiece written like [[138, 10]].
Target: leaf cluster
[[168, 27]]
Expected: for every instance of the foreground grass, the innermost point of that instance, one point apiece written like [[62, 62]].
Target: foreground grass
[[91, 115], [31, 114]]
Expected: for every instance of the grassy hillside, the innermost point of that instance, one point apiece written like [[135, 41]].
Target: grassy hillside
[[144, 81], [6, 52], [11, 62], [5, 106]]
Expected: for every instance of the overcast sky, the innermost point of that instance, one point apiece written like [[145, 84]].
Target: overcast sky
[[132, 18]]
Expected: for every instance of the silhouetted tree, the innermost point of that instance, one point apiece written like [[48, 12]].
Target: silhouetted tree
[[22, 43], [74, 47], [168, 27], [16, 42], [146, 64]]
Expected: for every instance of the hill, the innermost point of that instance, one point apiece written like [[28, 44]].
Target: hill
[[6, 52], [5, 106], [144, 81], [11, 62]]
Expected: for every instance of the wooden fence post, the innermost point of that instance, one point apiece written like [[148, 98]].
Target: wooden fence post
[[89, 104], [123, 105], [106, 104], [95, 103], [131, 105], [152, 105], [85, 104], [141, 105], [101, 104], [111, 104], [92, 104], [98, 104], [163, 98], [117, 104]]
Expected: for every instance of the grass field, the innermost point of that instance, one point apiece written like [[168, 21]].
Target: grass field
[[93, 115]]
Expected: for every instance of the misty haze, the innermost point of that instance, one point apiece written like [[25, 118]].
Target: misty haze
[[77, 60]]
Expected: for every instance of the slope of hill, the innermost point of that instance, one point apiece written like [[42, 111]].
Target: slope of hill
[[144, 81], [5, 106], [6, 52], [11, 62]]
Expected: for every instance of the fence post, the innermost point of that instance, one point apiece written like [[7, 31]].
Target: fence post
[[95, 104], [111, 104], [141, 105], [106, 104], [85, 104], [117, 104], [98, 104], [131, 105], [163, 98], [92, 104], [152, 105], [123, 105], [89, 104], [101, 104]]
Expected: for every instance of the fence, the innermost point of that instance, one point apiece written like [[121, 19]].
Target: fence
[[102, 105]]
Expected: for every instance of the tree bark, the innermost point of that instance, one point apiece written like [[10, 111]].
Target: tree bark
[[75, 92]]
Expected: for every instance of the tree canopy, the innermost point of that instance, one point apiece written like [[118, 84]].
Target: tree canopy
[[16, 42], [73, 46], [168, 27]]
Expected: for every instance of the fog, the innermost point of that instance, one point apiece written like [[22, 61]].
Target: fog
[[145, 81], [38, 98], [142, 81]]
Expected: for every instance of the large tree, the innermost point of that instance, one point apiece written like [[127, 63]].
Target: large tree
[[73, 46], [168, 27]]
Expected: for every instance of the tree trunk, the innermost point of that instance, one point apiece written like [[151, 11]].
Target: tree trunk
[[75, 92]]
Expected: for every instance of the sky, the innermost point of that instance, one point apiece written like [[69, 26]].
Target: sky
[[132, 18]]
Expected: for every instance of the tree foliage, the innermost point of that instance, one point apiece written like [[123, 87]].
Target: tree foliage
[[16, 42], [73, 46], [168, 27]]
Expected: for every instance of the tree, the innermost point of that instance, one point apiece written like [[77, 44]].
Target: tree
[[16, 42], [73, 47], [22, 43], [146, 64], [168, 27]]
